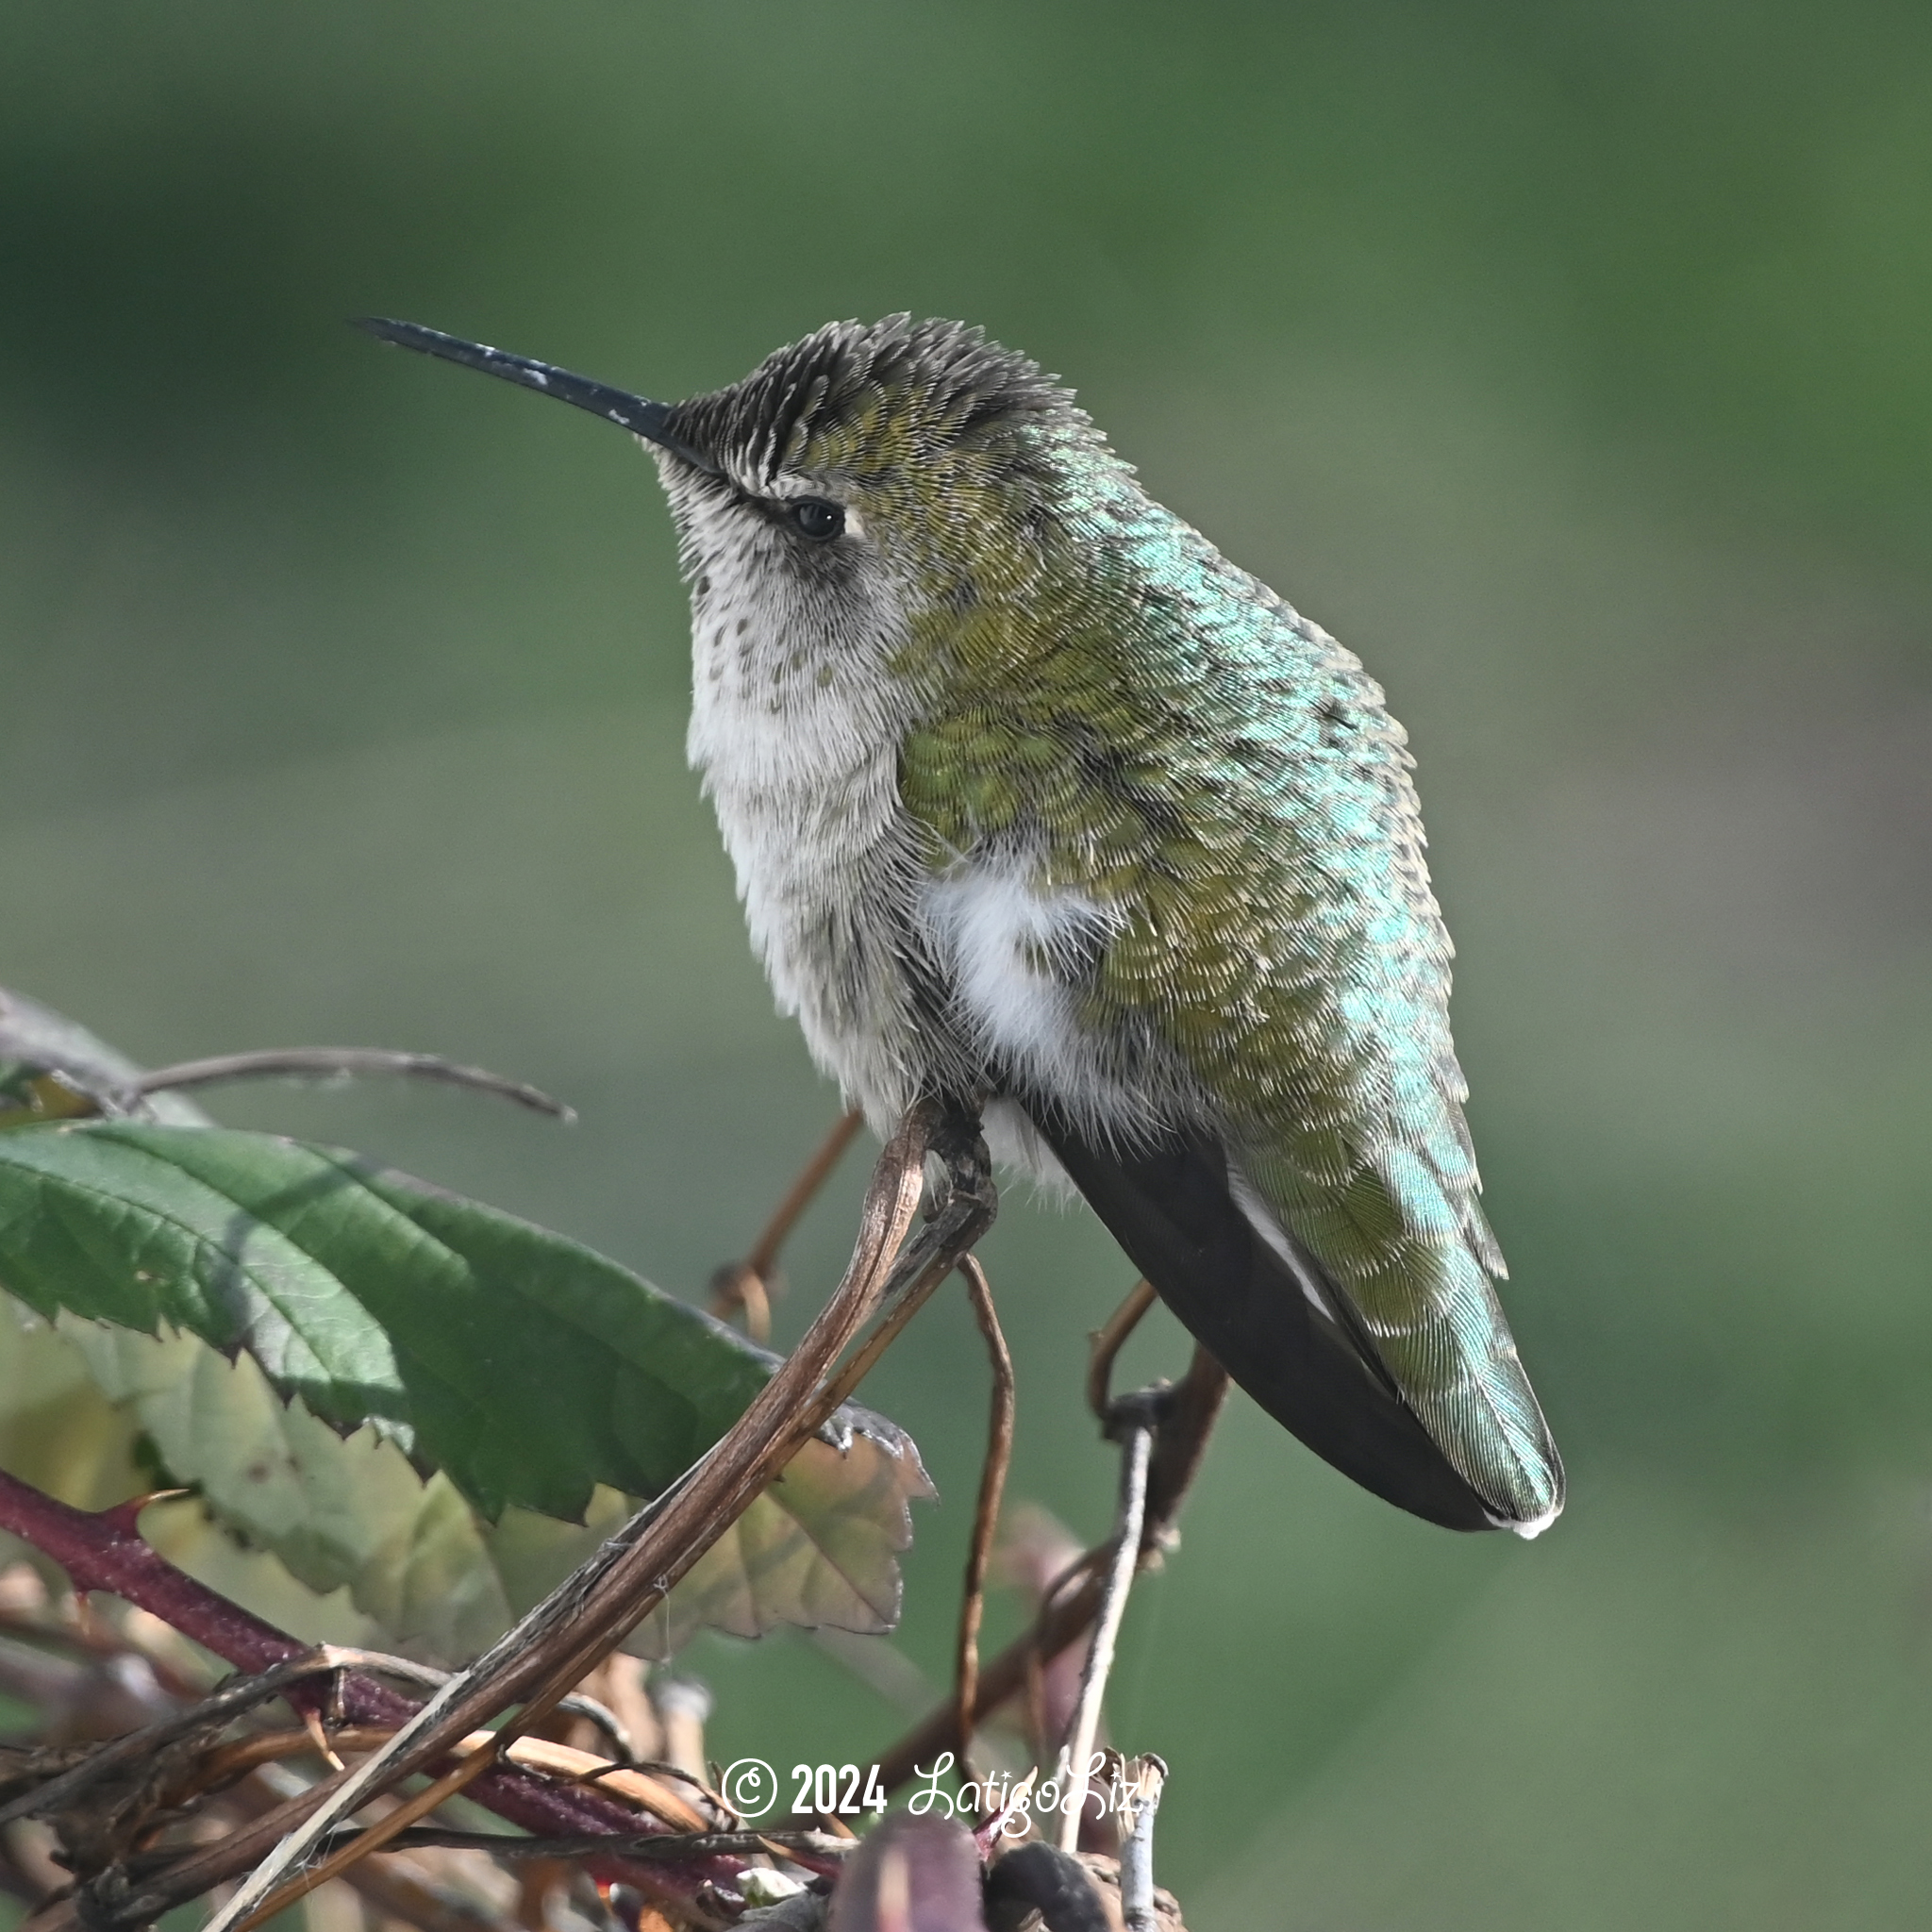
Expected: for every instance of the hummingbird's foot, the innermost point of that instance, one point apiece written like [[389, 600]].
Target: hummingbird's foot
[[958, 1166]]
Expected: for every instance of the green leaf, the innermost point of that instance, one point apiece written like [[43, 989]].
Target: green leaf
[[114, 1222], [534, 1375], [429, 1572], [337, 1511], [395, 1390], [59, 1431]]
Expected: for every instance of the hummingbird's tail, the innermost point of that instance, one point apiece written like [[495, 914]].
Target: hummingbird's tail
[[1268, 1312]]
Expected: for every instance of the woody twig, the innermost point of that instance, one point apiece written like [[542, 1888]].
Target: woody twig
[[992, 1482], [751, 1282], [538, 1661], [1180, 1442]]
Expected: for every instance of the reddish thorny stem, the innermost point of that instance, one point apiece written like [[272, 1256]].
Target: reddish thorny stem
[[104, 1551]]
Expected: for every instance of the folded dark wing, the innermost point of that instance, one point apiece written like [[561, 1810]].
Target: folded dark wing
[[1268, 1313]]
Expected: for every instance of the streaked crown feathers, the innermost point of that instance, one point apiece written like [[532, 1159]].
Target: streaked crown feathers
[[864, 400]]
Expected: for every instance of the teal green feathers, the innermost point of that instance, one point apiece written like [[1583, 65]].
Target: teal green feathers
[[1157, 729]]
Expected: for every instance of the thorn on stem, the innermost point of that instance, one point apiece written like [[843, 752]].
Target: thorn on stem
[[124, 1519], [311, 1721]]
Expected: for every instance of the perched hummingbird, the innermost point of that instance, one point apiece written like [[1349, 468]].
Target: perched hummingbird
[[1039, 803]]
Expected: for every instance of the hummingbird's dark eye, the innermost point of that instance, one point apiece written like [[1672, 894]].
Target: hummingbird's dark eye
[[817, 519]]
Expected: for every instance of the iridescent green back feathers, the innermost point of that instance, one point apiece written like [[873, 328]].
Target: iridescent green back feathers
[[1151, 736]]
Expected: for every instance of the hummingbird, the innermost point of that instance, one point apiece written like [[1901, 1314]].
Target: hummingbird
[[1038, 804]]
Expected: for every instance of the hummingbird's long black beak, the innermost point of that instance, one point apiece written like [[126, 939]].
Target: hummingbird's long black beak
[[638, 414]]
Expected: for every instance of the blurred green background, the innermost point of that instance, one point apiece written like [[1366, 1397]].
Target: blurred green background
[[1569, 361]]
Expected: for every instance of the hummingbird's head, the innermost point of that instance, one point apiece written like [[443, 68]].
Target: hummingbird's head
[[868, 482], [867, 488]]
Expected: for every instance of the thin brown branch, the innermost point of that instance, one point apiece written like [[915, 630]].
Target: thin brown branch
[[375, 1836], [102, 1550], [660, 1847], [749, 1283], [233, 1698], [551, 1648], [1107, 1340], [1180, 1444], [397, 1886], [986, 1515], [344, 1062]]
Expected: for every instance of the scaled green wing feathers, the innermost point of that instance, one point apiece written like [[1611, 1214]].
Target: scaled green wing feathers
[[1249, 945]]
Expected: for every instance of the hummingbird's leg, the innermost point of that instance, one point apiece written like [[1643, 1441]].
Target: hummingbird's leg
[[750, 1284], [993, 1483]]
